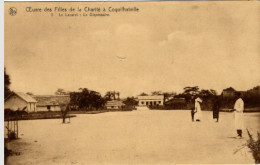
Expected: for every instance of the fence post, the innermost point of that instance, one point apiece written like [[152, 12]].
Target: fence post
[[17, 128]]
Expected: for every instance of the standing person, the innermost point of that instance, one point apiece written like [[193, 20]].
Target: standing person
[[216, 107], [197, 111], [192, 107], [238, 113]]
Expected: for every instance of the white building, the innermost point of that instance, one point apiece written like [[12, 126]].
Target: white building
[[150, 100], [20, 101]]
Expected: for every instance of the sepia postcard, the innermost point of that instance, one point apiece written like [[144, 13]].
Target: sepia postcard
[[159, 82]]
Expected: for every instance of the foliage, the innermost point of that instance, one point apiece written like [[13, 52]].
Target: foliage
[[12, 135], [143, 94], [191, 90], [7, 152], [254, 146], [7, 84], [250, 97], [112, 95], [190, 93], [61, 91], [176, 104], [87, 99], [130, 101], [154, 93]]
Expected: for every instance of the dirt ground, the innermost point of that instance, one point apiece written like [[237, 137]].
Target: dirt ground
[[137, 137]]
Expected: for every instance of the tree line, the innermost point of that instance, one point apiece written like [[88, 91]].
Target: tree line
[[90, 99]]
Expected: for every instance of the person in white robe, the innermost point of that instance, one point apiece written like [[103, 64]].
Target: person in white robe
[[197, 115], [238, 115]]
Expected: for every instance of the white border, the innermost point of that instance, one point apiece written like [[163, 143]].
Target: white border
[[2, 84], [112, 0]]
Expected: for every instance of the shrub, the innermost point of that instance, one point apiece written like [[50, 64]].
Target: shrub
[[254, 146], [7, 152], [12, 135]]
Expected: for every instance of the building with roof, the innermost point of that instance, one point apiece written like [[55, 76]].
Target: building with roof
[[20, 101], [50, 102], [228, 92], [114, 104], [150, 100]]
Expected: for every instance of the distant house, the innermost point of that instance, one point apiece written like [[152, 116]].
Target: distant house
[[20, 101], [50, 102], [114, 104], [150, 100], [229, 92]]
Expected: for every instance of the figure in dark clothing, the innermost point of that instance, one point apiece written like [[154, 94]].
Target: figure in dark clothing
[[192, 113], [64, 111], [216, 107], [192, 107]]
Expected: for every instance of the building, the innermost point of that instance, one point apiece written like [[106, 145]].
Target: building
[[150, 100], [114, 104], [50, 102], [20, 101], [229, 92]]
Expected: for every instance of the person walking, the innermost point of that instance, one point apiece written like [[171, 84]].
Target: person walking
[[238, 114], [216, 107], [197, 115]]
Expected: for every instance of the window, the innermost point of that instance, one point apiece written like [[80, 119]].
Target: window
[[48, 107]]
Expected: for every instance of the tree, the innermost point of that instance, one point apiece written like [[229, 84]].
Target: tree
[[118, 94], [7, 84], [157, 93], [143, 94], [191, 90], [205, 93], [168, 95], [130, 101], [213, 92], [110, 95], [74, 100], [61, 91], [189, 93], [86, 99]]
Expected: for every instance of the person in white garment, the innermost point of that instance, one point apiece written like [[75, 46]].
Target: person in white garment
[[197, 111], [238, 114]]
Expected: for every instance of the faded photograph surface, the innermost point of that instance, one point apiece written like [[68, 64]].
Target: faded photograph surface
[[132, 83]]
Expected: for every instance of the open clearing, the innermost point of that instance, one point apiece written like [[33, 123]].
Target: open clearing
[[137, 137]]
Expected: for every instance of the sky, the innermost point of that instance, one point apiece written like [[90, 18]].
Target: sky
[[166, 46]]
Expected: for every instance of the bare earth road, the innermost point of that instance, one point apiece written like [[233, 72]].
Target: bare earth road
[[137, 137]]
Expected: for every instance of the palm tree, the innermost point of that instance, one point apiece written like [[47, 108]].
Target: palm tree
[[109, 95], [118, 94]]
